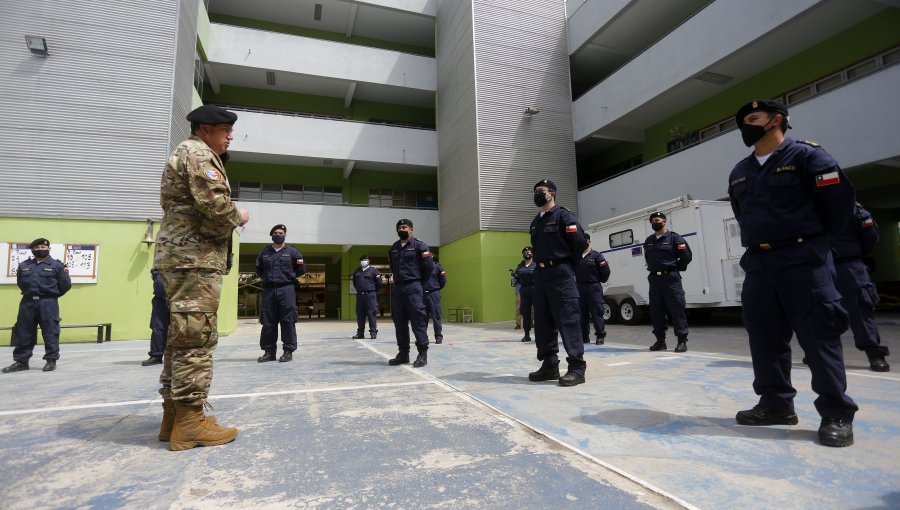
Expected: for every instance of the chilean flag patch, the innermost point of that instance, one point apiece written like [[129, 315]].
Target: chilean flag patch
[[867, 223], [299, 261], [571, 229], [426, 254], [682, 246], [827, 179], [602, 263]]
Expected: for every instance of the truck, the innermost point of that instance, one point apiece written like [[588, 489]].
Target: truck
[[712, 280]]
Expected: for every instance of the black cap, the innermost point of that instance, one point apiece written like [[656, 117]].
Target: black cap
[[211, 114], [527, 248], [760, 105], [276, 227], [405, 221], [546, 182], [39, 241], [587, 236], [364, 256], [658, 214]]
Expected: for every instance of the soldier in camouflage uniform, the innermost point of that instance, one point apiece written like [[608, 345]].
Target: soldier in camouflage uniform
[[192, 251]]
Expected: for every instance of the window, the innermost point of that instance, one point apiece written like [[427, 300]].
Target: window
[[313, 194], [862, 69], [829, 83], [286, 193], [891, 57], [333, 195], [271, 192], [623, 238], [292, 193], [249, 191], [799, 95], [404, 199]]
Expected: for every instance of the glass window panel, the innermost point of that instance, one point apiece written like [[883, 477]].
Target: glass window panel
[[799, 95], [250, 191], [829, 83], [271, 192], [706, 133], [862, 69], [333, 195], [728, 124], [292, 193], [891, 58], [623, 238], [312, 194]]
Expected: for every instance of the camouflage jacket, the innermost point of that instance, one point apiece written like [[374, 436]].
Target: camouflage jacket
[[198, 214]]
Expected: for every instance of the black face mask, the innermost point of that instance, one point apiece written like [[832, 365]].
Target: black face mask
[[751, 133], [656, 226], [403, 235], [277, 239], [540, 199], [40, 254], [527, 256]]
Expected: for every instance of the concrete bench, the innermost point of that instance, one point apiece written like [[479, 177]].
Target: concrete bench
[[101, 326]]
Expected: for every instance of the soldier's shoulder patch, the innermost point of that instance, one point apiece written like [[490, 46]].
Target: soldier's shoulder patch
[[211, 174], [810, 143]]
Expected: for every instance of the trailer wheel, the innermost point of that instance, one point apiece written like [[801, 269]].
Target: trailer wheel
[[629, 312], [609, 313]]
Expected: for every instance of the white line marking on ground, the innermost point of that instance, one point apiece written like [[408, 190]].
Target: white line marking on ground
[[668, 357], [453, 390], [220, 397], [618, 364]]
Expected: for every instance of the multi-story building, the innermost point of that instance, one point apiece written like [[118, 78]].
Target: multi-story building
[[656, 86], [356, 113]]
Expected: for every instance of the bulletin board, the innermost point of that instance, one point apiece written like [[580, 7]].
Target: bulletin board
[[83, 260]]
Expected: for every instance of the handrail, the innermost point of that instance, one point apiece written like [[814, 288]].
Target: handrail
[[322, 116]]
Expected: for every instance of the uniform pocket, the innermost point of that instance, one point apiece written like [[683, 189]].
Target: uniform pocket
[[827, 318], [784, 179], [868, 297]]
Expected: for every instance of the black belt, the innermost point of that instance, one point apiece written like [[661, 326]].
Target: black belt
[[406, 282], [364, 293], [276, 285], [783, 243], [553, 262], [663, 273], [35, 298]]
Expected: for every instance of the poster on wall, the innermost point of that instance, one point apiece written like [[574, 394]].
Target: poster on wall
[[82, 260]]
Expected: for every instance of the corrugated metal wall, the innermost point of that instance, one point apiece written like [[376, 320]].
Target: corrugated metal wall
[[456, 120], [522, 61], [183, 82], [84, 132]]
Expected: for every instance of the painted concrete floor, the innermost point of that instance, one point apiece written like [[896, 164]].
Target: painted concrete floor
[[339, 428]]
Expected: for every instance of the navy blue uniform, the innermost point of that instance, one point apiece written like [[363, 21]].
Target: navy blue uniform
[[666, 256], [279, 270], [159, 317], [41, 284], [366, 282], [857, 290], [432, 289], [558, 242], [524, 274], [591, 272], [411, 265], [788, 208]]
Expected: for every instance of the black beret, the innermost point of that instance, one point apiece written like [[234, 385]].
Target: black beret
[[546, 182], [211, 114], [276, 227], [405, 221], [527, 248], [759, 105], [586, 236], [364, 257], [658, 214], [39, 241]]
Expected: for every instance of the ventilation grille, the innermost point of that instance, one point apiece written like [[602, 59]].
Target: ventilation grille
[[270, 77]]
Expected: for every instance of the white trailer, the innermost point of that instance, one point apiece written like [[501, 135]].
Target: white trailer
[[712, 280]]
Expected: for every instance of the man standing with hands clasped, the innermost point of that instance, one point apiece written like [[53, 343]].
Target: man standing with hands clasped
[[279, 265], [411, 266], [790, 199]]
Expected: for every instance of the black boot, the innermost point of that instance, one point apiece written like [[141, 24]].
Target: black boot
[[152, 360], [571, 379], [834, 432], [439, 340], [269, 356], [760, 415], [547, 372], [421, 359], [287, 356], [682, 344], [601, 340], [358, 336], [17, 366], [877, 363], [527, 337], [373, 334], [660, 345], [402, 358], [49, 366]]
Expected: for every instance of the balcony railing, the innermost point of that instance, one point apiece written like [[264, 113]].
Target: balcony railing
[[338, 118]]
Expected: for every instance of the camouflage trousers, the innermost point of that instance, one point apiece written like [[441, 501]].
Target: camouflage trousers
[[192, 337]]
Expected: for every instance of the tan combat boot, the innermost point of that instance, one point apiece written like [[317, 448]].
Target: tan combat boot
[[192, 429], [165, 428]]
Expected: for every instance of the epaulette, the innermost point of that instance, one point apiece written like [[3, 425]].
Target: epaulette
[[810, 143]]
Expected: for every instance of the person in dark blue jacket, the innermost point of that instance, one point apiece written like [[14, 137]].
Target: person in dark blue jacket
[[857, 240], [411, 267], [591, 273], [159, 321], [524, 277], [791, 199], [366, 280], [432, 288], [558, 241], [42, 280], [667, 255], [279, 265]]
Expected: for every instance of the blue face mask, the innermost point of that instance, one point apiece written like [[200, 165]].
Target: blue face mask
[[277, 239]]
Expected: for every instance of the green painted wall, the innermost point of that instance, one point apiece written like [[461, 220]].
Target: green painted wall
[[478, 274], [196, 102], [874, 35], [320, 34], [355, 189], [202, 29], [290, 101], [124, 288]]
